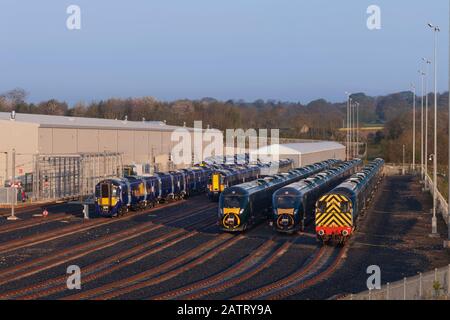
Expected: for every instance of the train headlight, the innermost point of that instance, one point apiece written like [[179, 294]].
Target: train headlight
[[345, 233], [241, 211], [321, 232]]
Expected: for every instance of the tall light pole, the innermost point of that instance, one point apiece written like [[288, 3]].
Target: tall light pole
[[434, 220], [351, 129], [13, 184], [413, 87], [427, 62], [357, 128], [352, 132], [348, 124], [422, 74]]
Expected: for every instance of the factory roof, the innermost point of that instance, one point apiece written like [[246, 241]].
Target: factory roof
[[300, 148], [50, 121]]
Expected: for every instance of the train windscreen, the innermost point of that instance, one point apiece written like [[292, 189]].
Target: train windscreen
[[232, 202], [286, 202]]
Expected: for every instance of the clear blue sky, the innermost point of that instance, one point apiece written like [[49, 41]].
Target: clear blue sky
[[235, 49]]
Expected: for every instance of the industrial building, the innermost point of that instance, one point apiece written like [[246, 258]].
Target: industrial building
[[146, 143], [59, 157], [305, 153]]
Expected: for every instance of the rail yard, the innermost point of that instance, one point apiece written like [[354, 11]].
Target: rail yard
[[177, 250]]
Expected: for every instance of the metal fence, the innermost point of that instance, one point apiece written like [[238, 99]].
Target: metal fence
[[442, 205], [69, 176], [427, 286], [8, 195]]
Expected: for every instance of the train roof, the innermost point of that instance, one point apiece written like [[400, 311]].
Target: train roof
[[356, 181], [312, 181]]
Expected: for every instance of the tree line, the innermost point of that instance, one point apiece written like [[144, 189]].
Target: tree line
[[319, 119]]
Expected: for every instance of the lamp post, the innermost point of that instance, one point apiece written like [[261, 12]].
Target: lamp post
[[436, 30], [348, 124], [422, 74], [427, 62], [352, 129], [357, 129], [14, 189], [413, 87]]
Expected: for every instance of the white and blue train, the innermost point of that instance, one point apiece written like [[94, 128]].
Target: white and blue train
[[115, 197]]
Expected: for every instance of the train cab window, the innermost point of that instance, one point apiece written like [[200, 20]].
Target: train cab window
[[232, 202], [286, 202]]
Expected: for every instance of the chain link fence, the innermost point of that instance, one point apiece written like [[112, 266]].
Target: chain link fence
[[434, 285]]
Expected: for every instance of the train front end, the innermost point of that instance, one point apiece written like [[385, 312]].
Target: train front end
[[334, 218], [108, 201], [286, 209], [233, 210], [216, 186]]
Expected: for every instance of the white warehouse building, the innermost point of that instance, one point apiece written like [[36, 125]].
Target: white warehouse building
[[139, 142], [305, 153]]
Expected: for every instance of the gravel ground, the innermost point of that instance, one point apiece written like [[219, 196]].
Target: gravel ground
[[393, 234]]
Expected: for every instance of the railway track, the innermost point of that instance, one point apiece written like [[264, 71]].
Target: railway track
[[47, 262], [322, 264], [316, 278], [163, 272], [106, 266], [70, 230], [33, 222], [261, 258], [4, 212]]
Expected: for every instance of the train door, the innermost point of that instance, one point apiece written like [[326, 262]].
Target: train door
[[183, 183], [128, 193], [144, 186], [105, 197], [158, 188]]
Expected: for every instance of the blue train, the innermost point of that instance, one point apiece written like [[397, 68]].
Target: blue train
[[231, 175], [244, 205], [337, 211], [294, 204], [115, 197]]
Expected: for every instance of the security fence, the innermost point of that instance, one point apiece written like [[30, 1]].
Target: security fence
[[8, 196], [442, 205], [72, 176], [427, 286]]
